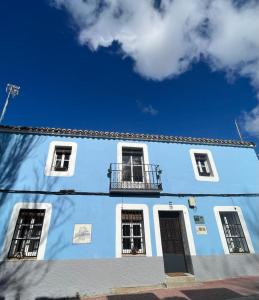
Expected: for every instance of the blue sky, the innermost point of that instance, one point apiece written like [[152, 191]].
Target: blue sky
[[65, 84]]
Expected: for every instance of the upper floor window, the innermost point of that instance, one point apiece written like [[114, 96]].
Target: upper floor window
[[27, 233], [132, 171], [61, 159], [203, 165], [132, 164]]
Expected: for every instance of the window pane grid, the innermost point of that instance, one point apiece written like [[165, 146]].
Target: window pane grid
[[132, 232], [27, 233], [132, 165], [234, 233], [61, 158], [203, 164]]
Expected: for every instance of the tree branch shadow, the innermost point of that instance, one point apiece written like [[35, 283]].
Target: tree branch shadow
[[16, 276]]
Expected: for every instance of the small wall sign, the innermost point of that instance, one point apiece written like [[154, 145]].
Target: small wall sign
[[199, 219], [82, 234], [201, 229]]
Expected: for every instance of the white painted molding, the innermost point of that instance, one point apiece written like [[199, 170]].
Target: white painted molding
[[72, 161], [215, 176], [118, 242], [12, 224], [217, 210], [184, 210], [143, 146]]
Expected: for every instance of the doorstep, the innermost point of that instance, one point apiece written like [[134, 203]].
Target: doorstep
[[173, 280]]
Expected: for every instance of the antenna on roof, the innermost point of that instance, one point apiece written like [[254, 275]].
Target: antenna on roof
[[238, 130], [11, 90]]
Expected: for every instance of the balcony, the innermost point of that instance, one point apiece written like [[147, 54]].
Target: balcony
[[134, 178]]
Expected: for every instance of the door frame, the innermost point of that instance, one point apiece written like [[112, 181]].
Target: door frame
[[181, 208]]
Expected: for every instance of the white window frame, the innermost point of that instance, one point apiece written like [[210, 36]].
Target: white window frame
[[142, 146], [215, 176], [131, 235], [11, 228], [217, 210], [187, 223], [51, 153], [118, 240]]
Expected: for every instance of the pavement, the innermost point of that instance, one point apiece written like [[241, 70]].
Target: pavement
[[245, 288]]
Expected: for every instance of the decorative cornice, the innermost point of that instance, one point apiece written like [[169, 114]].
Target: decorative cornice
[[123, 136]]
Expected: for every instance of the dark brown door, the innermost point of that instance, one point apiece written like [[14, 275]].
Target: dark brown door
[[172, 242]]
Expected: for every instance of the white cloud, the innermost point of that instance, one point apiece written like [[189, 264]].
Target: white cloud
[[147, 109], [164, 41], [251, 122]]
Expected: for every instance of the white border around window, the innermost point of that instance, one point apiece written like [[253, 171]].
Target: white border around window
[[184, 210], [143, 146], [12, 224], [72, 161], [217, 210], [120, 145], [215, 176], [144, 208]]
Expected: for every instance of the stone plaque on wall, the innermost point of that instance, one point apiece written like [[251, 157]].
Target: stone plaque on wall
[[82, 233], [201, 229]]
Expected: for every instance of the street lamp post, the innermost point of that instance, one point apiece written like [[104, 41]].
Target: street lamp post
[[11, 90]]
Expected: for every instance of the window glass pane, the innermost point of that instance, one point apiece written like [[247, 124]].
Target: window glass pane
[[137, 174], [66, 164], [126, 159], [126, 230], [137, 159], [126, 244], [126, 173], [136, 230], [67, 156], [58, 156], [137, 243]]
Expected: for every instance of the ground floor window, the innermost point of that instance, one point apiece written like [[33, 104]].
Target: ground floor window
[[234, 233], [233, 230], [27, 234], [132, 232]]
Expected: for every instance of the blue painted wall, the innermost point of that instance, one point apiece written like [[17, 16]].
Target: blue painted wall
[[23, 159]]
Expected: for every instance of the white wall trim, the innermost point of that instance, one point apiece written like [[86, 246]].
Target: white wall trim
[[217, 210], [120, 145], [144, 208], [72, 161], [13, 220], [184, 210], [215, 176]]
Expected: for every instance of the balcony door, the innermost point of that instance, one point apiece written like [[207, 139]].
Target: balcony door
[[132, 165]]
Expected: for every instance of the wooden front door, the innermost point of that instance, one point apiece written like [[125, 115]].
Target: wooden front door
[[172, 242]]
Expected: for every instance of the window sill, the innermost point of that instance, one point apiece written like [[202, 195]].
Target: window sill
[[134, 255]]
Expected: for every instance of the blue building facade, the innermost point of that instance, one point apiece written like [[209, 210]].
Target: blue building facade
[[88, 212]]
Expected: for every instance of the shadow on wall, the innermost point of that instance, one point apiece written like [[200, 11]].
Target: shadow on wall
[[66, 298], [16, 276], [195, 294]]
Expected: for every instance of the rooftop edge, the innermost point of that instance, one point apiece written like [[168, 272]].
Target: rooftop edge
[[120, 135]]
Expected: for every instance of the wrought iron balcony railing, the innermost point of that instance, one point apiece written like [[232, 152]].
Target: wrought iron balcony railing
[[144, 178]]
